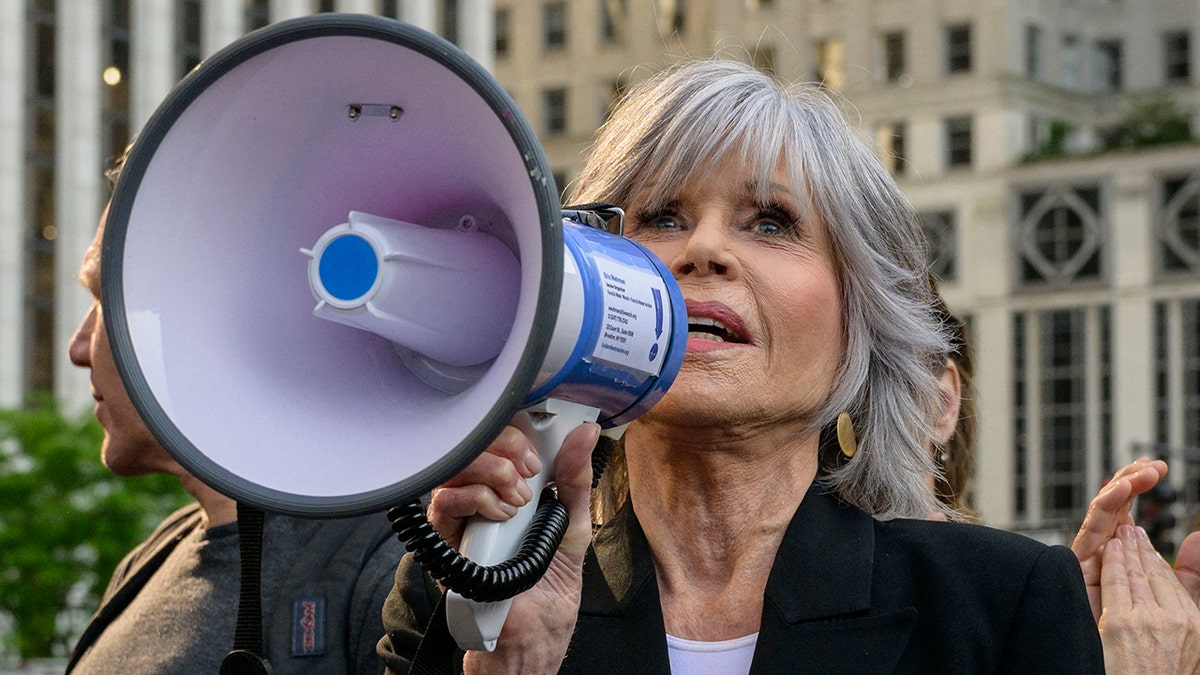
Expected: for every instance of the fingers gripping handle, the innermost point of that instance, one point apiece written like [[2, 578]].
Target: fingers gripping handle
[[476, 625]]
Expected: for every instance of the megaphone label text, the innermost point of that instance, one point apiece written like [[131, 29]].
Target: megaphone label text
[[635, 319]]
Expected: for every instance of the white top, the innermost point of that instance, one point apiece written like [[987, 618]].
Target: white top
[[724, 657]]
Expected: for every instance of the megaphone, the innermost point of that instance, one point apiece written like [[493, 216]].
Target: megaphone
[[335, 266]]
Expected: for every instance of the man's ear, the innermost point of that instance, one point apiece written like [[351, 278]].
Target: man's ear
[[950, 386]]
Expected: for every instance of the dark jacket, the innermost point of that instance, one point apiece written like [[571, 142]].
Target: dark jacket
[[341, 566], [847, 594]]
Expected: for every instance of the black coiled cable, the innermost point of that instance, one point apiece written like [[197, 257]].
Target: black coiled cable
[[477, 582], [503, 580]]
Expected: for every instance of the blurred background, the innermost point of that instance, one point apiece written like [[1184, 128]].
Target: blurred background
[[1050, 146]]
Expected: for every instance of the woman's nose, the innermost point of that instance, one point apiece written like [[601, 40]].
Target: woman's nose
[[707, 250]]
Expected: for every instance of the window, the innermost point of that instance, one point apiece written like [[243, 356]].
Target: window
[[1107, 65], [671, 17], [502, 29], [1063, 410], [1177, 58], [1177, 393], [831, 63], [958, 142], [893, 56], [41, 229], [958, 49], [890, 137], [554, 25], [554, 111], [679, 17], [764, 59], [1033, 52], [115, 106], [448, 26], [1072, 63], [258, 14], [1162, 379], [1037, 134], [188, 28], [560, 181], [612, 20], [941, 234], [1021, 413], [1179, 226], [1059, 235], [1190, 337], [616, 90]]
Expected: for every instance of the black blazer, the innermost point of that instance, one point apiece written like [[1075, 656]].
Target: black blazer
[[847, 594]]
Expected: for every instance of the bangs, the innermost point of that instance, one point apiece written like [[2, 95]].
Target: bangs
[[753, 125]]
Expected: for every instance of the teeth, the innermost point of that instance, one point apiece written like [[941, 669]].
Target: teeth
[[705, 321], [717, 334]]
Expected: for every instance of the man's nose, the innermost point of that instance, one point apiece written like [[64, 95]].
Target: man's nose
[[80, 348]]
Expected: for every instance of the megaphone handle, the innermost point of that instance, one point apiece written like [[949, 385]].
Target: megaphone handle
[[476, 625]]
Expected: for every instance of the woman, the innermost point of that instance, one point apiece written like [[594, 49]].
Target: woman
[[744, 544]]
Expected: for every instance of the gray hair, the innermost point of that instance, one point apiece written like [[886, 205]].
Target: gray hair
[[686, 118]]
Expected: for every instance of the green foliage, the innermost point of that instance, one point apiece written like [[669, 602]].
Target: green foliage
[[1149, 121], [1152, 121], [65, 523], [1055, 144]]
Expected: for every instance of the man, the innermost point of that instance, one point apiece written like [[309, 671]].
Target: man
[[171, 606]]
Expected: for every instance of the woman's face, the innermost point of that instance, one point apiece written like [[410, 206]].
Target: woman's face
[[764, 303]]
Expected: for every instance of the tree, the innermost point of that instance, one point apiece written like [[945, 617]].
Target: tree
[[65, 523]]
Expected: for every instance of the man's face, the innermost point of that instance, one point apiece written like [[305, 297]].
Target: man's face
[[129, 448]]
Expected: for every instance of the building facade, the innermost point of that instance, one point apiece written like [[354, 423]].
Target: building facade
[[77, 80], [1049, 146], [1064, 235]]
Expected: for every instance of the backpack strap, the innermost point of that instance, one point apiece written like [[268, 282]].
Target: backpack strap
[[438, 652], [133, 573]]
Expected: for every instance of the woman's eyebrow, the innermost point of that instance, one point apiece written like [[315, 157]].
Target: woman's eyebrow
[[753, 187]]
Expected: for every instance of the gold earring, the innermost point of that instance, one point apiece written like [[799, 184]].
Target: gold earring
[[845, 435]]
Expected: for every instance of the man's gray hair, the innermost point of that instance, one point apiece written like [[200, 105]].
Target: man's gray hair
[[686, 118]]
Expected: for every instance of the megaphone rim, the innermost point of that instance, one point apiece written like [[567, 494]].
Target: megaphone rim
[[120, 209]]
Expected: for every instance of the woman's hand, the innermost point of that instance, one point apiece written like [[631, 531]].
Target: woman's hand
[[1187, 565], [541, 620], [492, 486], [1109, 510], [1149, 622]]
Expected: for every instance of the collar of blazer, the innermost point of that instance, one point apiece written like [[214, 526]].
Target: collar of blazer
[[817, 613]]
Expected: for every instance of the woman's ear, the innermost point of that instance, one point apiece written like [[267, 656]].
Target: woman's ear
[[950, 386]]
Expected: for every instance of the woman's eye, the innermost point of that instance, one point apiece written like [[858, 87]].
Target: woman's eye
[[774, 222], [657, 220], [769, 227]]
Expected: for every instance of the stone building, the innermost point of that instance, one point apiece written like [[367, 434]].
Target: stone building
[[1048, 146]]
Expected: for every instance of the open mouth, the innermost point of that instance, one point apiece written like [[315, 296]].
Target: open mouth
[[704, 328]]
